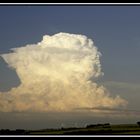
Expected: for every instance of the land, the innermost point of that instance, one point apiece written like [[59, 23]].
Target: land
[[94, 129]]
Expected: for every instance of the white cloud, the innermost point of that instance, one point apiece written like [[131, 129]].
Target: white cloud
[[55, 76]]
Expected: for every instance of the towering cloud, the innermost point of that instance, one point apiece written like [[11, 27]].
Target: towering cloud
[[57, 74]]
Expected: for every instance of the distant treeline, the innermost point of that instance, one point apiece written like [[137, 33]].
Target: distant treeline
[[105, 128], [106, 125], [13, 132]]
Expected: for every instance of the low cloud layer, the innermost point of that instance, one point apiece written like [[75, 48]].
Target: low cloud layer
[[55, 75]]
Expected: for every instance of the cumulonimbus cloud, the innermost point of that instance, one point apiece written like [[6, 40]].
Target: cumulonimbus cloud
[[55, 75]]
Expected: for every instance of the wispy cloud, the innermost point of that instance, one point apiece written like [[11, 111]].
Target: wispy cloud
[[123, 85], [107, 110]]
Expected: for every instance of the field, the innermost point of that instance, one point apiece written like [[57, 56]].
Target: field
[[98, 129], [126, 129]]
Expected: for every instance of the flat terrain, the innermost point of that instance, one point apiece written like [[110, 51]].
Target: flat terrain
[[99, 129]]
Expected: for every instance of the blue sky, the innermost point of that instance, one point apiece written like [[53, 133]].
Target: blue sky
[[114, 29]]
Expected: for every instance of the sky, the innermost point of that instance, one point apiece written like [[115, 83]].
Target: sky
[[115, 32]]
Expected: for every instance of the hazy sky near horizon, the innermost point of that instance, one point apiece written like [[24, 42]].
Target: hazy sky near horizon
[[114, 30]]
